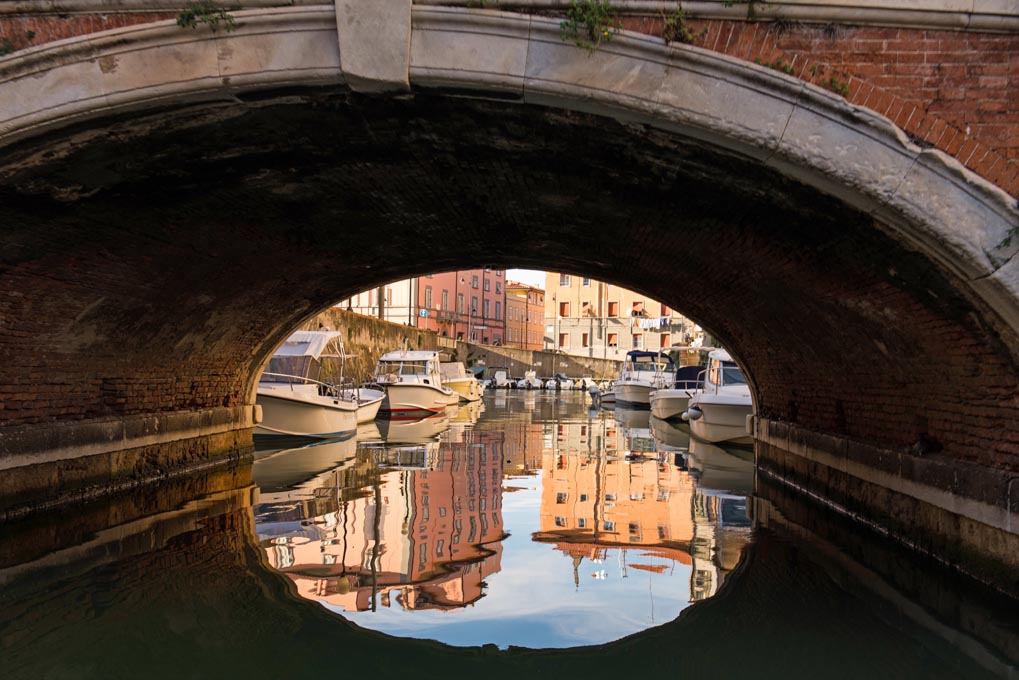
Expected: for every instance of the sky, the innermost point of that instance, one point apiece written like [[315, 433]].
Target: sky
[[528, 276]]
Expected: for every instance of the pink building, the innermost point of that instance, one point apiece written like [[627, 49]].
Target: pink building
[[469, 304]]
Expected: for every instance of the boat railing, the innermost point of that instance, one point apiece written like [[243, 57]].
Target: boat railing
[[324, 389]]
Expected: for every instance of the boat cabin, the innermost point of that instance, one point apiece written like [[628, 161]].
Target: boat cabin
[[406, 366], [301, 357], [722, 370]]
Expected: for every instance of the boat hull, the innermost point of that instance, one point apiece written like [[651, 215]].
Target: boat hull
[[668, 404], [301, 415], [721, 422], [467, 389], [633, 394], [414, 401], [369, 403]]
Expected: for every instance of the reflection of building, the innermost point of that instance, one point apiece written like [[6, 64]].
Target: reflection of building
[[589, 318], [426, 538], [614, 502]]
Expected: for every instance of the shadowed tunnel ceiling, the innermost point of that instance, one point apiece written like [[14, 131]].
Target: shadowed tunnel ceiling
[[152, 264]]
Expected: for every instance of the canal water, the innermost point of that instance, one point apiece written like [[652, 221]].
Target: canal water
[[528, 533]]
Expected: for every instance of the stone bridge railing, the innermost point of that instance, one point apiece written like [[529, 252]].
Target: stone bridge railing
[[945, 71]]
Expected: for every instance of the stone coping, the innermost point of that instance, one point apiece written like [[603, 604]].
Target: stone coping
[[992, 16], [50, 442], [974, 491]]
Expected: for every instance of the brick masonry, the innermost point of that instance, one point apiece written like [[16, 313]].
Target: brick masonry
[[953, 90]]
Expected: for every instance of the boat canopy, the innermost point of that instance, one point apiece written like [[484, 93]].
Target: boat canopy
[[307, 344], [635, 354], [410, 355], [720, 355]]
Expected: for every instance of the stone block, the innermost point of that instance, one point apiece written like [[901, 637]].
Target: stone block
[[374, 37], [476, 50]]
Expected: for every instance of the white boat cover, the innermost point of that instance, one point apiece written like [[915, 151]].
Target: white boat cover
[[307, 344]]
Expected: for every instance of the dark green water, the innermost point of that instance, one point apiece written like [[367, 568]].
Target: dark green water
[[527, 536]]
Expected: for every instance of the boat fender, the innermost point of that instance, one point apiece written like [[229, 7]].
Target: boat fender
[[694, 413]]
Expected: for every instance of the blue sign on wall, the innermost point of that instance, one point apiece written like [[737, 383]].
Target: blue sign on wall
[[423, 313]]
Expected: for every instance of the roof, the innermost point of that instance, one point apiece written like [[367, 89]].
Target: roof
[[720, 354], [307, 344], [637, 354], [410, 355]]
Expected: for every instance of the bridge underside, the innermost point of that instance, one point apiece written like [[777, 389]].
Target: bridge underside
[[150, 265]]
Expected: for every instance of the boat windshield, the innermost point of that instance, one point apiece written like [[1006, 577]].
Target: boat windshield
[[402, 368], [649, 364], [732, 374], [285, 369]]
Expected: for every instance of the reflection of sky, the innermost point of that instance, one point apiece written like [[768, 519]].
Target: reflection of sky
[[532, 601]]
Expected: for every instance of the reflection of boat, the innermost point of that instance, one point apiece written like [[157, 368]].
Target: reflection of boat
[[455, 377], [413, 431], [719, 410], [636, 428], [277, 469], [671, 401], [641, 371], [413, 384], [467, 413], [294, 402], [669, 436], [721, 471]]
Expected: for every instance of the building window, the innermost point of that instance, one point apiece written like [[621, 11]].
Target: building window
[[581, 522], [445, 300], [487, 308], [613, 339], [474, 281], [561, 498], [564, 338], [564, 279], [608, 526], [474, 306], [638, 308], [585, 340], [498, 309], [498, 287], [665, 340], [460, 303], [638, 340], [560, 522], [665, 310], [488, 285], [428, 297], [613, 309], [564, 309], [586, 281]]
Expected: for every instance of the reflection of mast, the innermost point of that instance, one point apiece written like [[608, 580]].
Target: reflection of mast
[[375, 544], [577, 559]]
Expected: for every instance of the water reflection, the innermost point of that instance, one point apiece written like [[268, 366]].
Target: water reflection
[[601, 515], [174, 580]]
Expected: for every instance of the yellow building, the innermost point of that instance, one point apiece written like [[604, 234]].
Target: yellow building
[[590, 318]]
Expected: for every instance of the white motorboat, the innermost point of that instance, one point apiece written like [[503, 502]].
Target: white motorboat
[[558, 382], [412, 380], [501, 379], [608, 395], [669, 402], [455, 377], [641, 372], [294, 402], [718, 411], [530, 381]]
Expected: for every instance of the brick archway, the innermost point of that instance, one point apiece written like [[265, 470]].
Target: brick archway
[[194, 197]]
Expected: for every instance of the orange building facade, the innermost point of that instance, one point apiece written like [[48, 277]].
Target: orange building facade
[[525, 316]]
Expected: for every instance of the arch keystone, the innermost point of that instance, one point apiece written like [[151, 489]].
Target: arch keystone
[[374, 37]]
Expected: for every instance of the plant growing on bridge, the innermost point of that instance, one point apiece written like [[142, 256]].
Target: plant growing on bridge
[[208, 13], [588, 23], [675, 28], [778, 65], [7, 45]]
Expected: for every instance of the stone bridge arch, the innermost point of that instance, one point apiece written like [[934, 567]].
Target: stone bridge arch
[[175, 201]]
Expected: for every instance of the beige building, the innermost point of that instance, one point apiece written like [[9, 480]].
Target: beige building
[[585, 317]]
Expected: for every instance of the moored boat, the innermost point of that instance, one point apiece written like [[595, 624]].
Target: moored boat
[[455, 377], [669, 402], [293, 401], [412, 380], [718, 411], [641, 372]]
